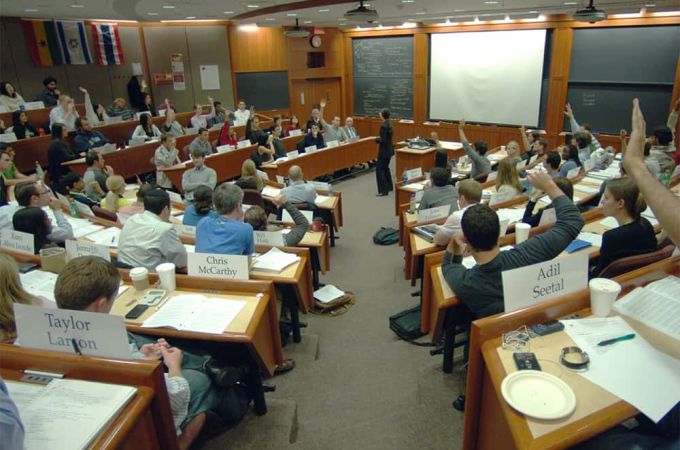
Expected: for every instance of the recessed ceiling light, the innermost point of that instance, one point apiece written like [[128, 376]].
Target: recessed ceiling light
[[570, 3], [490, 2], [253, 6], [650, 5], [324, 10], [291, 14], [306, 21], [152, 13], [30, 10], [228, 12], [191, 17], [270, 18], [168, 6], [533, 12], [408, 1], [76, 5], [420, 13], [458, 10]]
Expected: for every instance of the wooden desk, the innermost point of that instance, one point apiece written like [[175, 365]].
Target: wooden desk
[[490, 422], [328, 160], [411, 158], [145, 422]]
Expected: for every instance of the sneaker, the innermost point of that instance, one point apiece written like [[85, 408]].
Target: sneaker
[[286, 366]]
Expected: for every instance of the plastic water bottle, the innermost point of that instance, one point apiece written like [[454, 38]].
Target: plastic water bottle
[[404, 178], [412, 203], [666, 178], [39, 170], [330, 190], [74, 209]]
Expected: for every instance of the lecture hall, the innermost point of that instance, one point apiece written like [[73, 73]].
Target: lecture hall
[[332, 224]]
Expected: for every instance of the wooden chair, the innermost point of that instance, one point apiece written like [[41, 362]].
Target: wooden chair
[[630, 263], [481, 178], [184, 153], [104, 213], [253, 197]]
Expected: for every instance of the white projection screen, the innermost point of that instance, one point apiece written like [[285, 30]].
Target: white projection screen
[[489, 76]]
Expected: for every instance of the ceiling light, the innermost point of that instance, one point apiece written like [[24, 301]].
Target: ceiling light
[[168, 7], [306, 21], [191, 17], [228, 12], [650, 5], [409, 25], [324, 10], [291, 14], [571, 3], [30, 10], [253, 6], [420, 13], [490, 2], [152, 13], [76, 5], [270, 18], [408, 1], [248, 27]]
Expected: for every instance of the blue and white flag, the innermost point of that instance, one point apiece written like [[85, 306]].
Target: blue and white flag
[[73, 42]]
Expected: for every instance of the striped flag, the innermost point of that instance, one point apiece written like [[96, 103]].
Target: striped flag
[[42, 42], [73, 42], [107, 44]]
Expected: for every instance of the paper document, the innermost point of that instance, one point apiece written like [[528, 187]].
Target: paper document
[[39, 283], [513, 215], [609, 223], [320, 199], [656, 305], [414, 186], [107, 236], [586, 189], [274, 260], [196, 313], [632, 370], [269, 191], [592, 180], [23, 393], [593, 238], [328, 293]]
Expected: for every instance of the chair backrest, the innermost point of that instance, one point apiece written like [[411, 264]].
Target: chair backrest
[[184, 153], [630, 263], [481, 178], [104, 213], [253, 197]]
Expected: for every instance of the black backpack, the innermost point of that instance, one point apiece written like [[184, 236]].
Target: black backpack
[[406, 325], [386, 236]]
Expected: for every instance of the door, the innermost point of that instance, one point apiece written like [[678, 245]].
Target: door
[[307, 94]]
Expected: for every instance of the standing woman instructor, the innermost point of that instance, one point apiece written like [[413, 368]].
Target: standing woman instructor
[[385, 152]]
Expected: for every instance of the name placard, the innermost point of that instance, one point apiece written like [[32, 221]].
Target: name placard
[[78, 248], [95, 334], [331, 144], [175, 197], [224, 148], [293, 154], [573, 173], [281, 179], [234, 267], [243, 144], [8, 137], [499, 197], [297, 132], [310, 149], [309, 215], [492, 176], [319, 185], [185, 230], [429, 214], [537, 283], [548, 217], [589, 164], [273, 238], [17, 241], [33, 105], [414, 173], [84, 209]]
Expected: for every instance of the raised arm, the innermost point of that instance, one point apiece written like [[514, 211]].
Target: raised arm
[[525, 139], [572, 120], [664, 204], [301, 224], [461, 132]]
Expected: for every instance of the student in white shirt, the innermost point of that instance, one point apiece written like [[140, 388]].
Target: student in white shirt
[[165, 156], [469, 193], [146, 128], [65, 112], [241, 115], [200, 120]]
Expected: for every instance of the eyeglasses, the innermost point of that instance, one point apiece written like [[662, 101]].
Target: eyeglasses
[[43, 193]]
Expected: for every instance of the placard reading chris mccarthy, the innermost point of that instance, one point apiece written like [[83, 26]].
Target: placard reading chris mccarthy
[[233, 267]]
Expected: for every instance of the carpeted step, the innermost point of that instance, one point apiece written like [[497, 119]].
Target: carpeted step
[[438, 389], [305, 351]]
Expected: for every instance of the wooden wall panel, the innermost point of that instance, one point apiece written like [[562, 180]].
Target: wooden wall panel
[[558, 82], [7, 70], [421, 55], [331, 46], [208, 45], [264, 50]]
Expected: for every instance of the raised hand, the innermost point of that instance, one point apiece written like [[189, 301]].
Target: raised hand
[[461, 124], [322, 103], [280, 200], [83, 90], [635, 151], [568, 111]]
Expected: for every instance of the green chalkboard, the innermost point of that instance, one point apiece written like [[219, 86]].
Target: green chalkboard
[[264, 90]]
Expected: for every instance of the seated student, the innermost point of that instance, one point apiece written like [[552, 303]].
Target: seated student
[[149, 239], [264, 152], [513, 151], [138, 206], [332, 131], [593, 143], [35, 221], [35, 194], [634, 235], [275, 123], [298, 190], [114, 200], [662, 148], [165, 156], [59, 152], [221, 114], [119, 109], [9, 97], [570, 156], [253, 131], [315, 119], [441, 159], [276, 144], [530, 141], [200, 120], [200, 207], [12, 175], [226, 233], [293, 124], [95, 176], [241, 115], [88, 283], [351, 132], [11, 428], [480, 164], [170, 125], [257, 218], [50, 95], [146, 128], [199, 175], [11, 292], [552, 163], [86, 138], [651, 162], [469, 193], [507, 181], [540, 150], [314, 137], [441, 193], [250, 178], [65, 113], [481, 287], [227, 135], [5, 165], [583, 144], [534, 219], [20, 126], [201, 142], [74, 184], [148, 106], [94, 112]]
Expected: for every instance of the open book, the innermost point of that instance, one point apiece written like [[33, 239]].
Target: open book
[[67, 414], [196, 313], [274, 260]]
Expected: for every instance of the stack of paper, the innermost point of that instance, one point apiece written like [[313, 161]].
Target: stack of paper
[[328, 293], [414, 186], [107, 236], [320, 199], [609, 223], [274, 260], [269, 191], [586, 189], [196, 313], [513, 215], [594, 238], [39, 283]]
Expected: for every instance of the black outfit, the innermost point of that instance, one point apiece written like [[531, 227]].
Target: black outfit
[[135, 93], [254, 136], [48, 97], [24, 131], [151, 109], [631, 239], [246, 183], [3, 191], [58, 152], [526, 156], [259, 159], [311, 122], [279, 149], [310, 140], [385, 152], [533, 219]]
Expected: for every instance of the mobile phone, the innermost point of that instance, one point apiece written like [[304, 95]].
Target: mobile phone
[[26, 267], [152, 297], [526, 361], [136, 311], [544, 328]]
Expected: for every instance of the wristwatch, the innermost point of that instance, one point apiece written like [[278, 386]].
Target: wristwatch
[[574, 358]]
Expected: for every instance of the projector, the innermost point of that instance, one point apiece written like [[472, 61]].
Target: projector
[[296, 32], [362, 14], [590, 14]]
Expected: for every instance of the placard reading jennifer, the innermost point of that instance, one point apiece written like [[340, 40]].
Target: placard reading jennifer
[[209, 265]]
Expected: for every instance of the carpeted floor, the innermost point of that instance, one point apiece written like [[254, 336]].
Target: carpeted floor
[[356, 386]]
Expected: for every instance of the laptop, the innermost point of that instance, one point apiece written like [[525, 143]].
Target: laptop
[[426, 231]]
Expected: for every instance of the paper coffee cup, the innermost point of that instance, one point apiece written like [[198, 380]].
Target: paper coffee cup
[[166, 275], [140, 278], [603, 293], [521, 232], [52, 259]]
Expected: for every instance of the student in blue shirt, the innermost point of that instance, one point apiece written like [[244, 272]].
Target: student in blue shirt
[[225, 234], [201, 207]]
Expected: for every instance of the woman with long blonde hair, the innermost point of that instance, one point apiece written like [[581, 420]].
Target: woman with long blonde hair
[[11, 292], [507, 180], [250, 179], [114, 199]]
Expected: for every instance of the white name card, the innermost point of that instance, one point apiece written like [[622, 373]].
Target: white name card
[[429, 214], [185, 230], [297, 132], [537, 283], [286, 218], [319, 185], [331, 144], [175, 197], [500, 197], [224, 148], [573, 173], [243, 144], [17, 241], [293, 154], [190, 131], [310, 149], [533, 159], [589, 164], [548, 217], [280, 179], [8, 137], [33, 105], [521, 165], [504, 226], [414, 173], [273, 238], [234, 267], [94, 334], [78, 248], [161, 112], [492, 176]]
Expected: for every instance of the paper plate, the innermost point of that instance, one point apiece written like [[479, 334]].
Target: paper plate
[[538, 394]]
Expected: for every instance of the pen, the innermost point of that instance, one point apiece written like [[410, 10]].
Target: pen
[[627, 337], [75, 347]]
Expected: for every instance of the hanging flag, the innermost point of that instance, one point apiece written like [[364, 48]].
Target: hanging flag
[[73, 42], [107, 44], [42, 42]]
